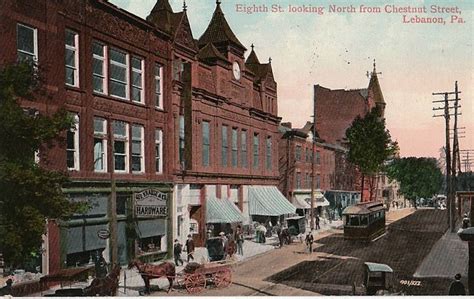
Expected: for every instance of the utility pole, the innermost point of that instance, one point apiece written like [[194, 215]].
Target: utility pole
[[112, 205], [450, 173], [467, 159], [313, 156]]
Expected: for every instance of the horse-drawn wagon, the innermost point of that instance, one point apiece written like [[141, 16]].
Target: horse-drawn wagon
[[194, 277]]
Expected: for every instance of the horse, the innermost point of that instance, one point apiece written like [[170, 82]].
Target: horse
[[106, 286], [149, 272]]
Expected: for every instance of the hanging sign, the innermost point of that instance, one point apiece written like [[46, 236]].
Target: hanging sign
[[150, 203], [103, 234]]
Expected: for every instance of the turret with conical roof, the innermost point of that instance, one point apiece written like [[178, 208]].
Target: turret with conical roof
[[220, 34], [376, 91]]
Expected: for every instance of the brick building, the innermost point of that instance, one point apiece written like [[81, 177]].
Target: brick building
[[336, 109], [109, 69], [187, 123], [224, 110], [296, 154]]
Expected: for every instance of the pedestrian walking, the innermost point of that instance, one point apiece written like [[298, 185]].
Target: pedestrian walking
[[7, 289], [100, 265], [317, 222], [465, 221], [177, 250], [280, 236], [456, 287], [239, 237], [190, 248], [309, 242]]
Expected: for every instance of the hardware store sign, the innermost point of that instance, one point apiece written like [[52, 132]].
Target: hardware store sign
[[150, 203]]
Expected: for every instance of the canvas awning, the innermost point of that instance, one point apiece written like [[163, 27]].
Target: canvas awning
[[268, 201], [319, 199], [299, 201], [222, 211], [151, 228]]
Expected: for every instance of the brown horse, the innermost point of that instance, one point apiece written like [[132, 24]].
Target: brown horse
[[149, 272], [106, 286]]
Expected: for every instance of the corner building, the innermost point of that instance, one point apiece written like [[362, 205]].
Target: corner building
[[224, 112], [110, 70]]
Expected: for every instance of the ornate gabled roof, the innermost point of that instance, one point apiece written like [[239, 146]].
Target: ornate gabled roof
[[218, 31], [374, 87], [261, 70], [209, 52], [162, 16], [252, 59]]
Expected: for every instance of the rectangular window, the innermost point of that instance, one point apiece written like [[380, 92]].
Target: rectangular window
[[298, 153], [318, 158], [318, 181], [256, 151], [26, 43], [158, 86], [308, 181], [181, 139], [72, 58], [206, 143], [138, 160], [137, 80], [98, 67], [225, 146], [100, 144], [159, 151], [72, 148], [269, 153], [118, 81], [235, 148], [307, 156], [298, 180], [120, 131], [243, 146]]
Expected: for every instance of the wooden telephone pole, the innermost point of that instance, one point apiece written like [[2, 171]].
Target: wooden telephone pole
[[450, 165]]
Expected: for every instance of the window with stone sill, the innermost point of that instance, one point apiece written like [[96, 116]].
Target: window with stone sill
[[120, 148], [27, 43], [138, 161], [72, 145], [72, 58], [100, 144]]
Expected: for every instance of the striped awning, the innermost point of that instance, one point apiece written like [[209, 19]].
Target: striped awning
[[222, 211], [268, 201]]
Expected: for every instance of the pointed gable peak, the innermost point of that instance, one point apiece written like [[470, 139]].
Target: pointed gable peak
[[218, 31], [162, 5], [252, 59], [374, 87]]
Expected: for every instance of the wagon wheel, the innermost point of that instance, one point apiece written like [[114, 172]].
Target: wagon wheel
[[195, 283], [222, 278]]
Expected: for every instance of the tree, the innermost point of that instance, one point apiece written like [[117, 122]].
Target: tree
[[418, 177], [29, 193], [370, 144]]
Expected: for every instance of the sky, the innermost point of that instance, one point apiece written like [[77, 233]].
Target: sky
[[335, 49]]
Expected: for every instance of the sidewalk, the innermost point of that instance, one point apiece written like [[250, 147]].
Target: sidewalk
[[448, 257]]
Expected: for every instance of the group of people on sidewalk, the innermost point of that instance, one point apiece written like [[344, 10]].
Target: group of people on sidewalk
[[178, 250]]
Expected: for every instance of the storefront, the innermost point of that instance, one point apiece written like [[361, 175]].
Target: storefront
[[267, 203], [302, 200], [339, 200], [143, 224]]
